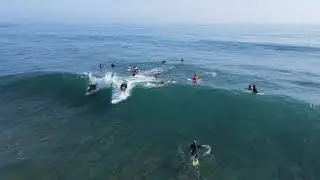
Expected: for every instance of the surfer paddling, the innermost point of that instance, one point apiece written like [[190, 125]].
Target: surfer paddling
[[195, 150]]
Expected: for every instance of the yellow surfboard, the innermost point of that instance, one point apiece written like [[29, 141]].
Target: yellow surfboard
[[195, 162]]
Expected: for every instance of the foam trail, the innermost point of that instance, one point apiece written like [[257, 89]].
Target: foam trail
[[102, 82], [208, 150], [111, 80], [153, 71], [212, 73], [132, 81]]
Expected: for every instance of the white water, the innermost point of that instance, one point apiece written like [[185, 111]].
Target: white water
[[112, 80]]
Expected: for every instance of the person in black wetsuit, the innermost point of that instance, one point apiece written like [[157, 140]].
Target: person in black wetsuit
[[124, 86], [195, 149], [163, 61], [92, 87], [250, 88], [112, 65], [182, 60], [135, 71], [254, 89]]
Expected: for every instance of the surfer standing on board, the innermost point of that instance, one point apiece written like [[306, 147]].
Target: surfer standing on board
[[92, 87], [124, 86]]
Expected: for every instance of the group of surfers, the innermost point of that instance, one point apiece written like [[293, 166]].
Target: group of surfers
[[135, 71]]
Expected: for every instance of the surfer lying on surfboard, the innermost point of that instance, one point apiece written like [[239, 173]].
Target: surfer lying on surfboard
[[195, 149]]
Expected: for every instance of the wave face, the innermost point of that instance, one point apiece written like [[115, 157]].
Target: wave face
[[51, 128]]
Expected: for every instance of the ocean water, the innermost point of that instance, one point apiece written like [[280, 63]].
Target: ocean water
[[50, 128]]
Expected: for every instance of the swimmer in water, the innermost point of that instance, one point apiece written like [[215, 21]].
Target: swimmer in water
[[112, 65], [163, 61], [182, 60]]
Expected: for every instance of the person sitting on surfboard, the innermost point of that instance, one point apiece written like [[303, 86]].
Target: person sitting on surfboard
[[195, 78], [254, 89], [195, 149], [92, 87], [124, 86]]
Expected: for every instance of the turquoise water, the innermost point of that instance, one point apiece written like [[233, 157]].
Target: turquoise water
[[50, 128]]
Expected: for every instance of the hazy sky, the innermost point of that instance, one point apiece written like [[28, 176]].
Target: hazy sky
[[209, 11]]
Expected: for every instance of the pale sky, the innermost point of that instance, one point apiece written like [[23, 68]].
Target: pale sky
[[180, 11]]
